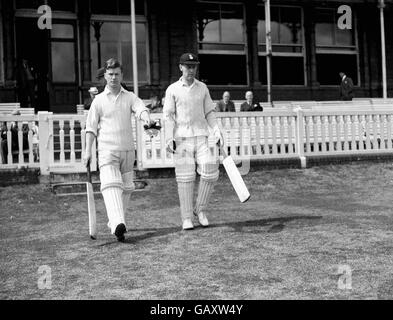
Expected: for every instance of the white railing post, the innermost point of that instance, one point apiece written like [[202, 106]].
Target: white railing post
[[44, 136], [300, 137]]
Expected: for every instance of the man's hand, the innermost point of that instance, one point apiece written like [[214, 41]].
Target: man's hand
[[219, 139], [171, 146], [152, 128], [86, 158]]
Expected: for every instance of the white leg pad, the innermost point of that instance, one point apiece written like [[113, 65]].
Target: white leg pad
[[114, 207]]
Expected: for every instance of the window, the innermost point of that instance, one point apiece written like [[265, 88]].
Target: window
[[287, 45], [55, 5], [221, 43], [63, 52], [112, 39], [1, 50], [336, 49], [117, 7]]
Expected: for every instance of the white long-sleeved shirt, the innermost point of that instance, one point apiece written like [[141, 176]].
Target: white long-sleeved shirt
[[109, 119], [189, 109]]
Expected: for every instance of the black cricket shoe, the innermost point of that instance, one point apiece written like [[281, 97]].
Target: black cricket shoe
[[119, 232]]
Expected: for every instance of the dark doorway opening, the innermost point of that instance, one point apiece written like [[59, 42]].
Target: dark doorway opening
[[32, 47]]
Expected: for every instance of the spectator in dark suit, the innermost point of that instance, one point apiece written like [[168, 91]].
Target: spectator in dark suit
[[250, 104], [225, 104], [346, 87]]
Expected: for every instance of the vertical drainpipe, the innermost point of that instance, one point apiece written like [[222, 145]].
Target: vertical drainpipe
[[133, 45], [268, 50], [381, 5]]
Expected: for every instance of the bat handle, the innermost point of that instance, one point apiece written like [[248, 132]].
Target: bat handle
[[88, 171], [222, 150]]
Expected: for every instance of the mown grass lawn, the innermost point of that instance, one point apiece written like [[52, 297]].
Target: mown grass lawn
[[287, 242]]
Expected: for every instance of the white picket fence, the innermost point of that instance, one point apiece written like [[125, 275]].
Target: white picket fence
[[275, 133], [61, 143]]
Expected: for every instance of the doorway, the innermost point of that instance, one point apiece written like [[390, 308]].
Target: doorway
[[32, 46], [52, 58]]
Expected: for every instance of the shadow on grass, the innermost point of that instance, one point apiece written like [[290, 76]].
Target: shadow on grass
[[277, 225]]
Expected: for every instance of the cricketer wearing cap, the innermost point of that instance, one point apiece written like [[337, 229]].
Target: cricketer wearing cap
[[188, 113], [109, 119]]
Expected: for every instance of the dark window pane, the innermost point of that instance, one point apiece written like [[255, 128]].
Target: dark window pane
[[220, 23], [329, 66], [29, 4], [275, 24], [117, 7], [63, 62], [115, 42], [208, 22], [64, 31], [285, 70], [221, 46], [290, 26], [345, 37], [261, 24], [286, 25], [61, 5], [291, 49], [208, 16], [125, 7], [262, 69], [288, 71], [101, 7], [232, 23], [218, 69], [324, 28]]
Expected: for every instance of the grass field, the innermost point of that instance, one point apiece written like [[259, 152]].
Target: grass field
[[287, 242]]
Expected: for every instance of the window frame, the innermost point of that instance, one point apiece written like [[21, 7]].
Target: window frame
[[345, 49], [228, 52], [288, 54], [127, 19]]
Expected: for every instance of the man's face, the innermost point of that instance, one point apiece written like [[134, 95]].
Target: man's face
[[154, 101], [226, 97], [113, 77], [249, 96], [188, 71], [341, 75]]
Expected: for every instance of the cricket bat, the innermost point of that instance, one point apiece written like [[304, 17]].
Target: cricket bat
[[235, 177], [91, 207]]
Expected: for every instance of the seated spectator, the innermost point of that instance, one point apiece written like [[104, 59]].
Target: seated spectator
[[225, 104], [250, 104], [93, 91], [155, 105]]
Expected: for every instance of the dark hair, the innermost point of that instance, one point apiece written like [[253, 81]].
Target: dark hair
[[112, 64]]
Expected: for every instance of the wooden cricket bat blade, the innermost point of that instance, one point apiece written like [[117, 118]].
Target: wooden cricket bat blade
[[236, 179], [92, 211]]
